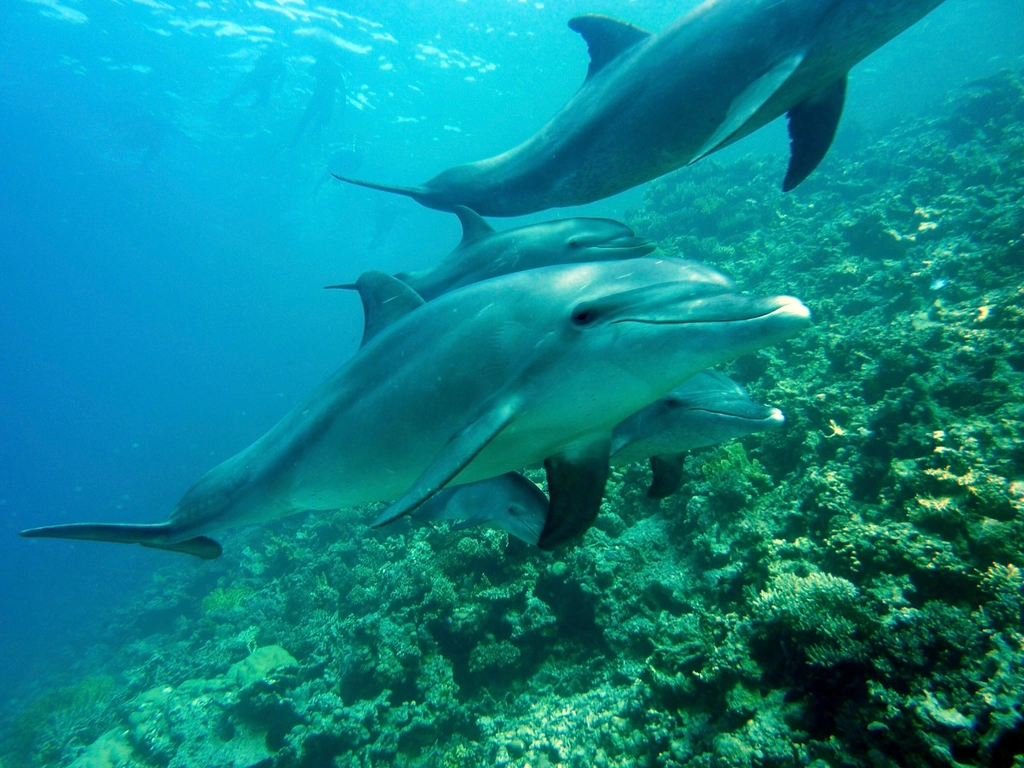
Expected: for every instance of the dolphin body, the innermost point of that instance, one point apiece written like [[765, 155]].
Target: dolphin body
[[529, 367], [652, 103], [484, 253], [707, 409]]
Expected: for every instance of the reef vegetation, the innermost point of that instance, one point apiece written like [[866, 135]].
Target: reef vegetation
[[845, 591]]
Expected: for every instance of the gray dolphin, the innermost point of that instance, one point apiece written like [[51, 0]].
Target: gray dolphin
[[484, 253], [652, 103], [509, 502], [533, 366], [707, 409]]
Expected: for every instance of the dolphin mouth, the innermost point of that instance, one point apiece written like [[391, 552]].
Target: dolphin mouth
[[783, 307], [640, 245], [773, 417]]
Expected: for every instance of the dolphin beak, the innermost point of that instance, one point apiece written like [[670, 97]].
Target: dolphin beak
[[790, 306], [636, 246], [666, 307], [746, 411]]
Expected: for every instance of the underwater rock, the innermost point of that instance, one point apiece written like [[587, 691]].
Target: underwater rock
[[258, 665], [214, 722], [111, 750]]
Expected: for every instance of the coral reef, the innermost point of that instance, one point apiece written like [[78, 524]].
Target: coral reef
[[847, 591]]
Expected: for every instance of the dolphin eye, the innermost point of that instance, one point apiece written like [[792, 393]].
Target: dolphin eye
[[583, 316], [574, 243]]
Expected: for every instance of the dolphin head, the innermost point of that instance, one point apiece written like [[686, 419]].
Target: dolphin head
[[713, 396], [707, 409], [634, 330], [586, 239], [687, 326], [509, 502]]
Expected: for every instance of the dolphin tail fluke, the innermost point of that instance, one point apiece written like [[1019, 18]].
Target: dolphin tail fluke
[[419, 194], [122, 533]]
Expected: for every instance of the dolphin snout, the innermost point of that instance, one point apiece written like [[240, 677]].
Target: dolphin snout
[[724, 308], [790, 306], [640, 245]]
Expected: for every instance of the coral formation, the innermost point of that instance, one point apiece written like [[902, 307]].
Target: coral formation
[[846, 591]]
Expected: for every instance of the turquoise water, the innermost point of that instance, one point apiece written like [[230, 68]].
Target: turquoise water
[[164, 244]]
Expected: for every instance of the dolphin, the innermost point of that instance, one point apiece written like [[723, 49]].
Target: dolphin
[[509, 502], [260, 82], [707, 409], [484, 253], [348, 159], [528, 367], [652, 103]]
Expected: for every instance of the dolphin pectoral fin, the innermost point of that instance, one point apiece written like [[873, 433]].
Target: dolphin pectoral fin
[[473, 224], [201, 546], [460, 450], [668, 475], [576, 481], [812, 126], [148, 535], [385, 300], [606, 38], [745, 106]]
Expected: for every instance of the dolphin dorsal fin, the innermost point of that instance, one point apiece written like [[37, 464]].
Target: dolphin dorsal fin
[[473, 225], [606, 38], [385, 300]]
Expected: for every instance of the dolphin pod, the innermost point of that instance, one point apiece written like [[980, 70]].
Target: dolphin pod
[[707, 409], [652, 103], [534, 366]]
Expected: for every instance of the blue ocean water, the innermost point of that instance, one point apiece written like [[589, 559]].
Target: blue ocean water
[[162, 253]]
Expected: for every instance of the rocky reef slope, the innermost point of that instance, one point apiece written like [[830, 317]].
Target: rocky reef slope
[[845, 592]]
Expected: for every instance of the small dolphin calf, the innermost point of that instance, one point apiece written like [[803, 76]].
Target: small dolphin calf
[[348, 159], [533, 366], [485, 253], [652, 103], [707, 409], [509, 502]]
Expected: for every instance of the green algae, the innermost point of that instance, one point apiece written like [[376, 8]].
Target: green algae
[[846, 591], [226, 600], [51, 727]]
